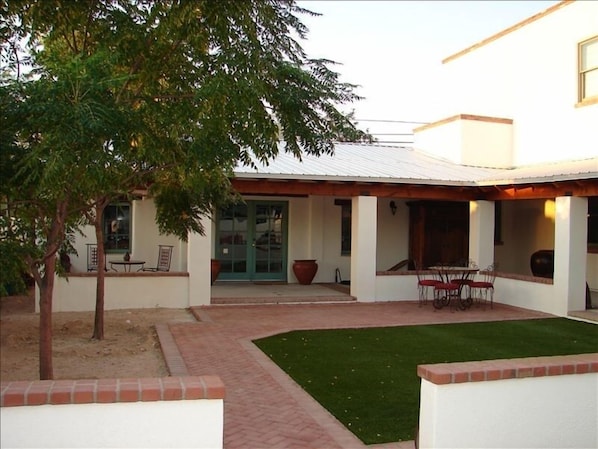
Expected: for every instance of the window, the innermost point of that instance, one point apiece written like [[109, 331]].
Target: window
[[498, 223], [117, 227], [345, 226], [588, 69], [593, 224]]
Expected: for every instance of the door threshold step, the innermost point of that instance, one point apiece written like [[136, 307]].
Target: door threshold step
[[283, 300]]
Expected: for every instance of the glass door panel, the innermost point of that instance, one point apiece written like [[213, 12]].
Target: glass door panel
[[232, 239], [251, 241], [269, 255]]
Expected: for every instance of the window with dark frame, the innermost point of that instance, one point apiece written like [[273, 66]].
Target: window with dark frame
[[593, 223], [117, 227], [498, 223], [588, 69], [345, 226]]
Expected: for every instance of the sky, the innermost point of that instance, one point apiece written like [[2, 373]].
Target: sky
[[393, 49]]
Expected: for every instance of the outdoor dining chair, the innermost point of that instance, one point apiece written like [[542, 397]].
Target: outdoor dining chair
[[481, 289], [465, 281], [92, 257], [164, 258], [424, 283]]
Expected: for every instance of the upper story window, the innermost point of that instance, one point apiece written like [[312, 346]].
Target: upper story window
[[588, 69], [117, 227]]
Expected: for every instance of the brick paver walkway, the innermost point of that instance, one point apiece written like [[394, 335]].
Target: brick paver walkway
[[264, 408]]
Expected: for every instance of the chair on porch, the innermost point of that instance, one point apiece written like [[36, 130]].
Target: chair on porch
[[164, 258], [480, 290], [92, 257], [424, 282], [465, 282]]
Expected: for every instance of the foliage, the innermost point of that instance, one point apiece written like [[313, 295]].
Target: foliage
[[367, 378], [105, 97]]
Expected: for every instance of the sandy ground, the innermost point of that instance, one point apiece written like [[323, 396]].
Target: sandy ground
[[130, 347]]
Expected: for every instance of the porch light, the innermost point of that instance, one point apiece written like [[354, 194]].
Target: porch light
[[393, 207]]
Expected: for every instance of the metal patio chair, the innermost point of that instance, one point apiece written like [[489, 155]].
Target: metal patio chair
[[92, 257], [164, 258], [480, 290]]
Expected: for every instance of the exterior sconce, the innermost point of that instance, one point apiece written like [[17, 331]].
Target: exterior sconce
[[393, 207]]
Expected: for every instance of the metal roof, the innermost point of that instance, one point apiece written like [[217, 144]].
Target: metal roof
[[401, 165]]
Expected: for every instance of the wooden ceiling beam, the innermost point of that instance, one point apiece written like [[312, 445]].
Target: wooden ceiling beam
[[248, 186]]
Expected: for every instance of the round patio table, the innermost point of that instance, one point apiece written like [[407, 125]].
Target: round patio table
[[447, 274], [127, 264]]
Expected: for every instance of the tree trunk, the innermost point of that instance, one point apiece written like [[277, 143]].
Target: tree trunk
[[46, 370], [98, 324]]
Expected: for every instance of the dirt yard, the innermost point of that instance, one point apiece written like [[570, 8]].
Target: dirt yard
[[130, 347]]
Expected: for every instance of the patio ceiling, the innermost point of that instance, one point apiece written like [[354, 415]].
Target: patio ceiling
[[295, 187]]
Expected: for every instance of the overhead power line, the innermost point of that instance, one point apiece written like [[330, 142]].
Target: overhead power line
[[389, 121]]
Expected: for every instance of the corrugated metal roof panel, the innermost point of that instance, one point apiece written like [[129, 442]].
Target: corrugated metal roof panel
[[368, 162], [393, 164]]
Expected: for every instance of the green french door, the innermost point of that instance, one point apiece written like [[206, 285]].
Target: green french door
[[251, 241]]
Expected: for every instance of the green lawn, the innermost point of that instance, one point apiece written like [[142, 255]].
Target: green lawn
[[367, 378]]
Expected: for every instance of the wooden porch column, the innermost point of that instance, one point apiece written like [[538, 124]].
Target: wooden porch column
[[199, 255], [481, 232], [363, 247], [570, 253]]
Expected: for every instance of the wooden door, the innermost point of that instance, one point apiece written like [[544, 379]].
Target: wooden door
[[438, 232]]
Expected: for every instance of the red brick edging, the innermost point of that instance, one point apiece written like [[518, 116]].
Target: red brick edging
[[88, 391], [448, 373]]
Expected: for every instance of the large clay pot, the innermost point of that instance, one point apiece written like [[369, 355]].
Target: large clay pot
[[305, 270], [215, 270], [542, 263]]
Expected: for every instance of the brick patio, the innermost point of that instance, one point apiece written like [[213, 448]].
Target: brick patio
[[264, 408]]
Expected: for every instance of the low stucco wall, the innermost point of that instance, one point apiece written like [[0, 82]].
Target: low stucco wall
[[176, 412], [542, 402], [77, 293], [527, 292]]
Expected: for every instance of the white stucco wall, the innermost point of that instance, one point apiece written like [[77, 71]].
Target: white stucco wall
[[530, 76], [477, 142], [159, 424], [149, 290], [392, 245], [529, 295], [535, 412]]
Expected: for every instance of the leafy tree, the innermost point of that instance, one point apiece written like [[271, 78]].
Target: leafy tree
[[170, 94]]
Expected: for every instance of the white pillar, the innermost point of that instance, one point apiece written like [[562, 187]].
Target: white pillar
[[570, 252], [364, 213], [481, 232], [199, 255]]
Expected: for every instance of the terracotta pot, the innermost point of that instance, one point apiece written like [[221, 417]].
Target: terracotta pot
[[305, 270], [542, 263], [215, 270]]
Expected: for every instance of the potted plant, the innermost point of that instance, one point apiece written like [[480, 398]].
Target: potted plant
[[215, 270]]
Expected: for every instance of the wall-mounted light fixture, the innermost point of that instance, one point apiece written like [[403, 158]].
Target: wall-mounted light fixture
[[393, 207]]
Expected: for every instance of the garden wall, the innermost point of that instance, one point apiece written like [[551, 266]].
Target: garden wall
[[122, 291], [174, 412], [541, 402]]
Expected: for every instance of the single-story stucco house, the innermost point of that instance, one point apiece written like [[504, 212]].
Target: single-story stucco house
[[510, 169]]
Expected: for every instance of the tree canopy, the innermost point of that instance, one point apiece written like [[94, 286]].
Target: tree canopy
[[100, 97]]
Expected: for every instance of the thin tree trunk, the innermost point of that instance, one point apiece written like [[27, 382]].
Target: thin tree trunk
[[46, 370], [98, 324], [55, 237]]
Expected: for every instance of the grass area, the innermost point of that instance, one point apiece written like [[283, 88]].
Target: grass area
[[367, 378]]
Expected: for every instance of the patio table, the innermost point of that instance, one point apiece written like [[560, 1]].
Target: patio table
[[127, 264], [449, 273]]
